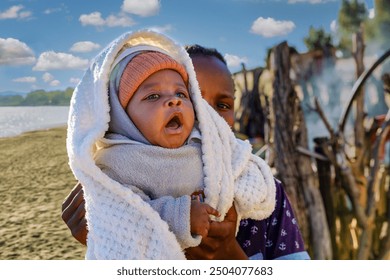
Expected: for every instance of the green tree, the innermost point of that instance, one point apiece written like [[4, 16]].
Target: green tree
[[13, 100], [318, 39], [378, 28], [39, 98], [352, 14], [61, 98], [36, 98]]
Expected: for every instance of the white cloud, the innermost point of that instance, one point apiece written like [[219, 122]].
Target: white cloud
[[96, 19], [15, 52], [26, 14], [234, 60], [28, 79], [12, 12], [310, 1], [269, 27], [84, 47], [15, 12], [52, 60], [334, 26], [52, 10], [55, 83], [371, 13], [74, 80], [143, 8], [47, 77], [119, 20], [162, 29]]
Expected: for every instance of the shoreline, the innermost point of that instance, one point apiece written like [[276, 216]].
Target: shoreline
[[16, 120], [34, 181], [43, 129]]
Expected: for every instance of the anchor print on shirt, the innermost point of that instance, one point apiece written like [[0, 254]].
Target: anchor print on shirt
[[297, 244], [282, 246], [254, 230], [274, 222], [244, 223], [268, 243], [283, 232], [288, 213], [246, 244]]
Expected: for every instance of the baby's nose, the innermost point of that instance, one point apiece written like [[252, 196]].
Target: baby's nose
[[174, 101]]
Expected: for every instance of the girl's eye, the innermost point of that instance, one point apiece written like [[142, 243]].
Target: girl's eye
[[223, 106], [152, 97]]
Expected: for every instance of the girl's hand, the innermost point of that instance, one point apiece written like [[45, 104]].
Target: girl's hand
[[73, 214], [220, 243]]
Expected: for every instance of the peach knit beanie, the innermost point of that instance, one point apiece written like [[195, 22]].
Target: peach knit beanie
[[140, 68]]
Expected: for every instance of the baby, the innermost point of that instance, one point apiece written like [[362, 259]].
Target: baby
[[152, 90], [147, 149]]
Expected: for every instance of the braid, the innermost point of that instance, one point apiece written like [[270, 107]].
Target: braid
[[194, 50]]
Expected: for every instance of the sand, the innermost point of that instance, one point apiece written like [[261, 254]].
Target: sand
[[34, 180]]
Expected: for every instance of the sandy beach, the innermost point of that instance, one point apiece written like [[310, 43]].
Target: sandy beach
[[34, 180]]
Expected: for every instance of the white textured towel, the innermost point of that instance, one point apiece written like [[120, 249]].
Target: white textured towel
[[121, 224]]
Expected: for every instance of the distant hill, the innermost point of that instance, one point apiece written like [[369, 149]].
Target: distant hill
[[37, 98], [12, 93]]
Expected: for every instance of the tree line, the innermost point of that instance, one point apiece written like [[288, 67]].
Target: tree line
[[39, 98]]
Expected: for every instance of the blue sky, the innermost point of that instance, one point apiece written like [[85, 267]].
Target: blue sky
[[47, 44]]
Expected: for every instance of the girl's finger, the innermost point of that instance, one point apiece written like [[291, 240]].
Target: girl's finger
[[76, 189], [210, 210]]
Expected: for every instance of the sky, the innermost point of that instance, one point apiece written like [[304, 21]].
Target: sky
[[48, 44]]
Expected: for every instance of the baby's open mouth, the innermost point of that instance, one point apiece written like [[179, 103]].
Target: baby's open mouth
[[174, 123]]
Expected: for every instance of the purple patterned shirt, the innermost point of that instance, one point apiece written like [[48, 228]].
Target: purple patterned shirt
[[277, 237]]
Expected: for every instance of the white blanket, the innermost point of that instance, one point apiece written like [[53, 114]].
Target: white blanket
[[121, 224]]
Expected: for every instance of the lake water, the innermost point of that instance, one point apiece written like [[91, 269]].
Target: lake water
[[16, 120]]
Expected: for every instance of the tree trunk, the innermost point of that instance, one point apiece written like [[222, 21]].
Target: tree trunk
[[327, 190], [294, 170], [358, 55]]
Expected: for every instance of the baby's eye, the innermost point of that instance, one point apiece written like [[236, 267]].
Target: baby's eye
[[181, 95], [153, 96]]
